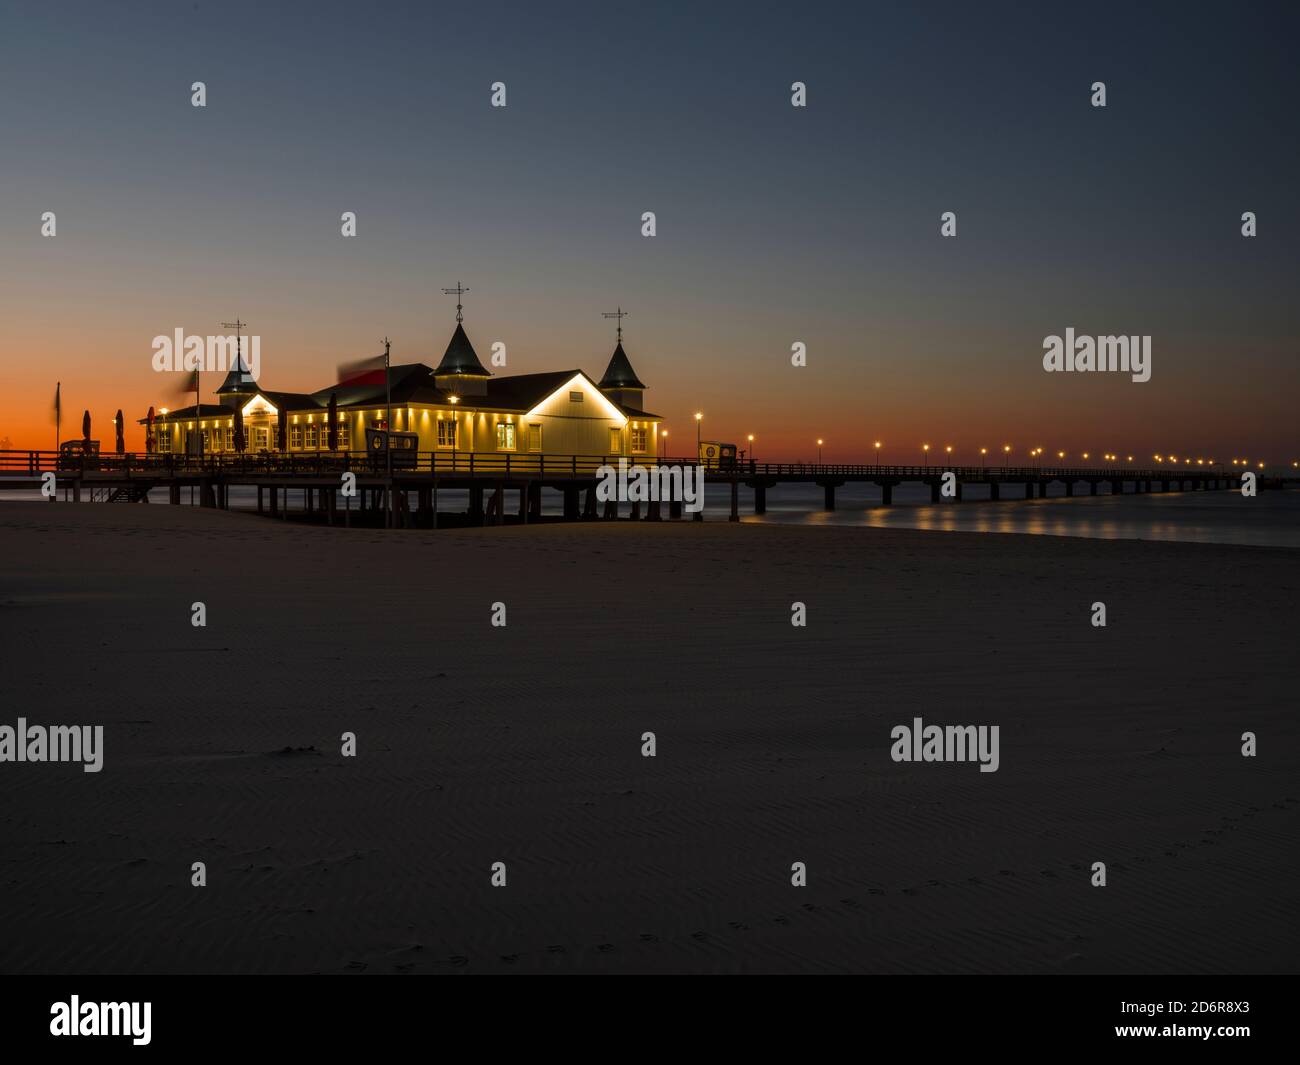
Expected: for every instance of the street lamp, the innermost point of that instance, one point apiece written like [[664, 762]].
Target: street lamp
[[751, 447], [983, 456], [819, 452], [926, 449], [663, 447], [699, 417], [877, 454]]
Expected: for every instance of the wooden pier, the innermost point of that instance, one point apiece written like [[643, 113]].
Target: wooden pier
[[317, 481]]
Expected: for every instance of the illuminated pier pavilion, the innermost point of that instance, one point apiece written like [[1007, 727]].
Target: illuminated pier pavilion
[[456, 410]]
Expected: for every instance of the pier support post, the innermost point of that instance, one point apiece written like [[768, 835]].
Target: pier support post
[[675, 509], [1069, 488], [499, 504], [611, 510], [995, 490], [636, 510], [589, 508], [934, 492], [571, 504], [476, 504], [523, 504], [331, 504], [760, 499], [653, 512], [173, 493], [735, 500], [886, 494], [1092, 488], [534, 501], [830, 497]]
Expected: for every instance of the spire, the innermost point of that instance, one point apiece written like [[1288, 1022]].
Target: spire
[[461, 358], [619, 372]]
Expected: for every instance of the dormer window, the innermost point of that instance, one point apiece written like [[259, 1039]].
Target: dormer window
[[575, 397]]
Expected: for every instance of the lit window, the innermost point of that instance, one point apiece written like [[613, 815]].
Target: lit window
[[312, 430], [505, 436], [345, 435], [615, 442], [534, 438], [295, 437], [638, 440], [575, 397], [447, 433]]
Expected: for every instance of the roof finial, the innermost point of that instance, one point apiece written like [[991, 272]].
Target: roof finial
[[620, 314], [458, 291]]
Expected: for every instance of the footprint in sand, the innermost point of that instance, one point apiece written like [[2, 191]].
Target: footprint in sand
[[458, 959], [648, 937], [555, 948], [605, 948]]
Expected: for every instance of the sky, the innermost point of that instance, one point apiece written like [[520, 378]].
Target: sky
[[775, 224]]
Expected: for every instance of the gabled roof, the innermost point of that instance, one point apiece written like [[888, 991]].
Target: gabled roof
[[292, 400], [461, 356], [205, 410], [411, 382], [619, 372]]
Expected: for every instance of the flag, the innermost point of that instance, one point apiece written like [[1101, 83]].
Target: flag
[[186, 383], [362, 372]]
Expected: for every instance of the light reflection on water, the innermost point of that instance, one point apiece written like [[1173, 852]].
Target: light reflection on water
[[1271, 519]]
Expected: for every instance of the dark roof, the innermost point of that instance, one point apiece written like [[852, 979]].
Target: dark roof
[[619, 372], [206, 410], [411, 382], [461, 356], [293, 400], [524, 391], [239, 380]]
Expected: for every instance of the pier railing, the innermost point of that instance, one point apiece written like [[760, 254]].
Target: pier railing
[[168, 465]]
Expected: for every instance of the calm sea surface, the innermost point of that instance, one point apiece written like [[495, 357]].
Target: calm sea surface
[[1225, 517]]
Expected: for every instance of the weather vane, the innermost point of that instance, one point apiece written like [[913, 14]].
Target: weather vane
[[458, 291], [620, 314]]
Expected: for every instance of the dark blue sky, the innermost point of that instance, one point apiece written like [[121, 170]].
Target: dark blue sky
[[775, 224]]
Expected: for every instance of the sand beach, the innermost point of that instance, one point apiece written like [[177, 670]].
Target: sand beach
[[522, 744]]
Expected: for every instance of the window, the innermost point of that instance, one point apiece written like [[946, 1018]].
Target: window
[[261, 439], [312, 436], [575, 397], [230, 439], [447, 433], [505, 436], [638, 440], [163, 439], [345, 435], [615, 442], [295, 437], [534, 438]]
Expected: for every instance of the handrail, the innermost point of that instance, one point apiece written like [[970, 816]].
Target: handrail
[[512, 464]]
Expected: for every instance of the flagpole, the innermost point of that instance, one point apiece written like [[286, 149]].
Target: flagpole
[[58, 413], [388, 436]]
